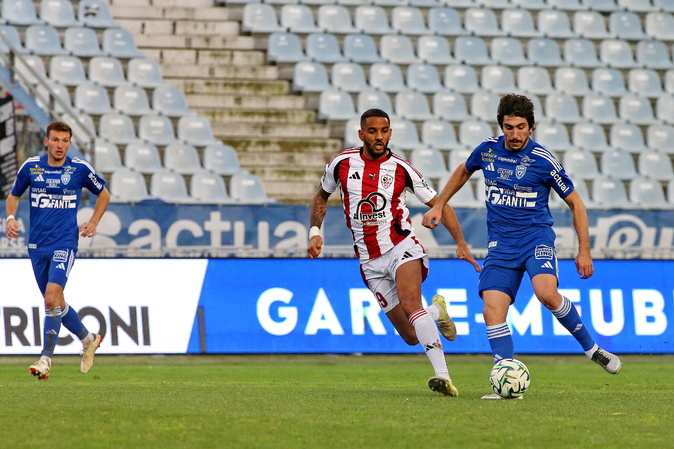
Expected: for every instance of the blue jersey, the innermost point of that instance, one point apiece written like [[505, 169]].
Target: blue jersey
[[517, 188], [54, 198]]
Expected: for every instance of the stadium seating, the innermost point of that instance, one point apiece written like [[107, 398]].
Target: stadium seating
[[169, 186], [131, 100], [439, 134], [424, 78], [144, 72], [195, 130], [434, 50], [412, 105], [609, 193], [182, 157], [311, 77], [221, 159], [450, 105], [618, 163], [95, 14], [646, 192], [323, 47], [82, 42], [335, 104], [127, 186], [68, 70], [143, 157], [247, 188], [106, 71], [58, 13], [208, 188], [19, 12], [169, 100]]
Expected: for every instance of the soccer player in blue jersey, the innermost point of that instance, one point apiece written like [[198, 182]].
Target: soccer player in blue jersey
[[518, 176], [55, 183]]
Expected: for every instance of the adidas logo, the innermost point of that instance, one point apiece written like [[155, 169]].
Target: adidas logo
[[356, 175], [489, 167], [61, 266], [39, 178], [547, 265], [407, 255]]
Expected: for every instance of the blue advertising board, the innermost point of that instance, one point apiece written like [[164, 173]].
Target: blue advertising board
[[322, 306]]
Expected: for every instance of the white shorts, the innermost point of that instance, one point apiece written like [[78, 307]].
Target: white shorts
[[379, 274]]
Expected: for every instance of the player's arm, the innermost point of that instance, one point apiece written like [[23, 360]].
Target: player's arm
[[319, 207], [88, 229], [450, 222], [458, 178], [579, 218], [11, 225]]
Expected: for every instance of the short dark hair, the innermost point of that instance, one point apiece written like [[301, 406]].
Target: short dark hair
[[373, 113], [59, 126], [517, 105]]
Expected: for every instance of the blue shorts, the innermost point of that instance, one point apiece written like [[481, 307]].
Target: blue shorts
[[503, 270], [51, 266]]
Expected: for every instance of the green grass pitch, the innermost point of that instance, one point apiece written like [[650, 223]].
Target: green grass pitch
[[338, 401]]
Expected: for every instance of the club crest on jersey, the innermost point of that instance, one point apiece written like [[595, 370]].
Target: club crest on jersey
[[520, 170], [386, 181], [65, 178]]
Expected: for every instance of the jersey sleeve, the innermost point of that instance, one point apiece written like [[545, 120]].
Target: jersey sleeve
[[329, 181], [93, 182], [556, 175], [22, 180], [420, 187], [473, 161]]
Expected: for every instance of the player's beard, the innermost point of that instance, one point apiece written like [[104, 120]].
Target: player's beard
[[375, 153]]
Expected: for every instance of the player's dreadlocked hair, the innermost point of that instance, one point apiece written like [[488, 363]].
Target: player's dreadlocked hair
[[517, 105], [59, 126], [373, 113]]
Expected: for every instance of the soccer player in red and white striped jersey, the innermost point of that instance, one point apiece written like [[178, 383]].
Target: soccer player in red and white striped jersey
[[372, 182]]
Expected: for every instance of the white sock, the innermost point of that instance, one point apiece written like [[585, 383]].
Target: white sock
[[434, 311], [591, 351], [89, 339], [428, 336]]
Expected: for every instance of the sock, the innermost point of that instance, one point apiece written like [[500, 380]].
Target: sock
[[591, 350], [501, 342], [434, 311], [52, 326], [428, 336], [568, 316], [72, 322]]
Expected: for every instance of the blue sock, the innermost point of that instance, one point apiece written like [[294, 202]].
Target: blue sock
[[72, 322], [568, 316], [501, 341], [52, 326]]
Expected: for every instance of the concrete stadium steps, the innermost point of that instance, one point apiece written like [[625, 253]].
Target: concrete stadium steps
[[226, 78]]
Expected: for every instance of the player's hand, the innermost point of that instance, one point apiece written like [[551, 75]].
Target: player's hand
[[88, 229], [315, 246], [12, 229], [432, 218], [464, 253], [584, 266]]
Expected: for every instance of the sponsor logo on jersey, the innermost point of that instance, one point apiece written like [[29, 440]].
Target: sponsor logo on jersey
[[520, 170], [95, 181], [488, 156], [547, 265], [52, 182], [492, 244], [544, 252], [504, 173], [37, 170], [512, 160], [47, 201], [507, 197], [60, 256], [386, 181], [369, 211], [39, 178], [355, 175], [558, 179], [370, 175], [526, 160], [407, 255], [489, 167], [61, 266]]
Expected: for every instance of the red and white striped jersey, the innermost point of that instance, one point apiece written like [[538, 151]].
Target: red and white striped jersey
[[373, 194]]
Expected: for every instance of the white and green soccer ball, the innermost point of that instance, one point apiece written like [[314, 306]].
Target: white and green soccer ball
[[509, 378]]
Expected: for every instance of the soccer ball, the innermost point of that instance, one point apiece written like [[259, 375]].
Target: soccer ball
[[509, 378]]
